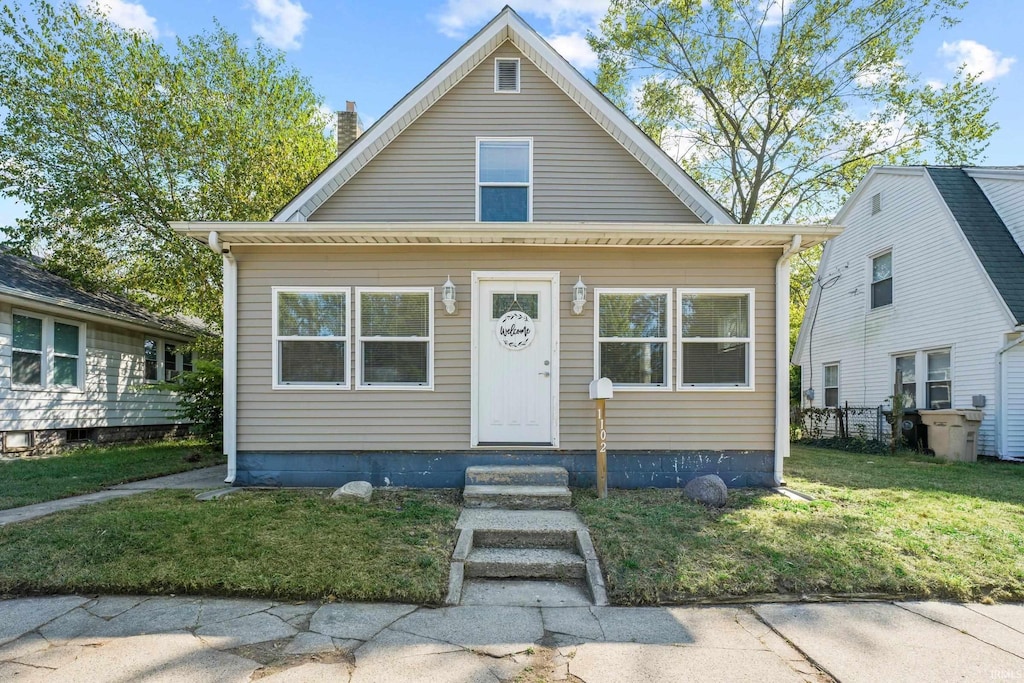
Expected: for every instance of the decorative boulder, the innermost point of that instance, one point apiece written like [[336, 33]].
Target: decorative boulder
[[708, 489], [358, 490]]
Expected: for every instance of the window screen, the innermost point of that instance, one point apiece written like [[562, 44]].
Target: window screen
[[395, 338], [714, 339], [65, 354], [881, 280], [940, 381], [504, 180], [27, 354], [312, 337], [906, 368], [633, 332], [831, 382]]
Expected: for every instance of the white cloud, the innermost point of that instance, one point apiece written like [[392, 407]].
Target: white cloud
[[874, 76], [574, 47], [129, 15], [935, 84], [280, 22], [461, 17], [977, 59], [773, 11]]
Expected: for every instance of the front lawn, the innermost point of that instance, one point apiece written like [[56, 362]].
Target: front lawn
[[880, 525], [33, 480], [287, 545]]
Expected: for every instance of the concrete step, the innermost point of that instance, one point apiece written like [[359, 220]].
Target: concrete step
[[525, 563], [516, 475], [524, 538], [517, 497]]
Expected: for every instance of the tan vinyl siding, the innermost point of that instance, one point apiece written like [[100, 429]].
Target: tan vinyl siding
[[284, 420], [113, 395], [580, 172]]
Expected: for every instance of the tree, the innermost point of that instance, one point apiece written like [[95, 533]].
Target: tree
[[107, 137], [779, 107]]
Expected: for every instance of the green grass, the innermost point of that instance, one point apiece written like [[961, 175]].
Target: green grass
[[34, 480], [288, 545], [900, 525]]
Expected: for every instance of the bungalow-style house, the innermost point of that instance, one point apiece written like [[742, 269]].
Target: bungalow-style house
[[74, 365], [927, 280], [443, 294]]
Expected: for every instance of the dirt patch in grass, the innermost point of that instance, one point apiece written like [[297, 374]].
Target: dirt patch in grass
[[287, 545], [882, 525], [33, 480]]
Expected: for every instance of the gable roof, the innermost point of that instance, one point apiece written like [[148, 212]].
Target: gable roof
[[995, 249], [22, 279], [506, 26], [999, 253]]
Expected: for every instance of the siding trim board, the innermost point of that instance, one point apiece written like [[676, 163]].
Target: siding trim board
[[446, 469]]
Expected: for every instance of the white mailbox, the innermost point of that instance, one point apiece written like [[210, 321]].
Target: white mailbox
[[601, 388]]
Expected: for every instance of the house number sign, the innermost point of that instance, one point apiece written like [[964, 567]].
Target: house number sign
[[515, 330]]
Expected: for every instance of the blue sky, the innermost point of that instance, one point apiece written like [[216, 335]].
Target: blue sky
[[375, 52]]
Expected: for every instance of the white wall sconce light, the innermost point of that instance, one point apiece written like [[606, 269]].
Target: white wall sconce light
[[448, 296], [579, 296]]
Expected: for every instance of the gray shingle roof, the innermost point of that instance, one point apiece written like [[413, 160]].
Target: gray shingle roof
[[988, 236], [25, 279]]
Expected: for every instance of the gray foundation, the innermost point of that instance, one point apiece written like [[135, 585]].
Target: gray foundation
[[447, 469]]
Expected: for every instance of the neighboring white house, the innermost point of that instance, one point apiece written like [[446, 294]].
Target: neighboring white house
[[74, 365], [928, 279]]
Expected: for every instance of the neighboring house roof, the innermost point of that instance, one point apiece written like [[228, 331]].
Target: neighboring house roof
[[506, 26], [22, 279], [999, 253]]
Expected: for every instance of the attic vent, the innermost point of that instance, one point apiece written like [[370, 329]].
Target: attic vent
[[506, 75], [876, 203]]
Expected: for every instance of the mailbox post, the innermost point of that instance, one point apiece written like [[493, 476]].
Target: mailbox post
[[601, 389]]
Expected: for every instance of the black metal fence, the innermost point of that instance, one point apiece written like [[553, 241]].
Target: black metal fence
[[846, 422]]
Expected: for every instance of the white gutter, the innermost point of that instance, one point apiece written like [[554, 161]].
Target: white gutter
[[230, 352], [782, 356]]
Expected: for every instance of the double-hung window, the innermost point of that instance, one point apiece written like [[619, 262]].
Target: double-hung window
[[171, 369], [831, 384], [881, 280], [633, 333], [163, 361], [504, 179], [29, 354], [906, 379], [151, 359], [716, 342], [311, 338], [939, 385], [47, 353], [395, 330]]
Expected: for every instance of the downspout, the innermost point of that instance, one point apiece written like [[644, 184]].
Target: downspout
[[782, 356], [1001, 405], [230, 351]]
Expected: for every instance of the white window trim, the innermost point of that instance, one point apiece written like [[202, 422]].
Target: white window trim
[[667, 340], [161, 361], [825, 387], [528, 185], [276, 384], [519, 75], [871, 278], [748, 340], [48, 354], [360, 386], [921, 373]]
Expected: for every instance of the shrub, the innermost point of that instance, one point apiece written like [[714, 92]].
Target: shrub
[[201, 399]]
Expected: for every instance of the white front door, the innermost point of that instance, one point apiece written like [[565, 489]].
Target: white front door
[[515, 359]]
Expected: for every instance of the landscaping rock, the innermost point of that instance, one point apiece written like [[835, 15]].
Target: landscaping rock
[[359, 490], [708, 489]]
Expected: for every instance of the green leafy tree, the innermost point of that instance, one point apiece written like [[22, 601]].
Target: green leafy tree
[[107, 136], [200, 395], [779, 107]]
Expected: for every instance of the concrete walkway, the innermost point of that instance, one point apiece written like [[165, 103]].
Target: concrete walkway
[[205, 478], [182, 638]]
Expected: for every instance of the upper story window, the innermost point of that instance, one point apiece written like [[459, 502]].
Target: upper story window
[[633, 331], [715, 339], [396, 330], [506, 74], [47, 352], [831, 384], [311, 338], [505, 179], [881, 280]]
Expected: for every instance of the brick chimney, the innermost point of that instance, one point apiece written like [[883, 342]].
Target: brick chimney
[[349, 127]]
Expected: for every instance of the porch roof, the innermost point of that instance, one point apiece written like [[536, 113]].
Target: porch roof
[[534, 233]]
